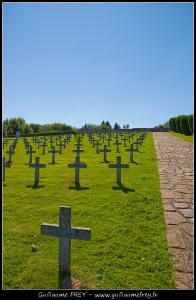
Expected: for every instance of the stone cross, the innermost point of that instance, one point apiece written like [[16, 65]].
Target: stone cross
[[39, 142], [4, 143], [43, 146], [116, 137], [51, 143], [93, 141], [56, 140], [77, 165], [109, 140], [65, 141], [137, 144], [27, 146], [53, 151], [117, 143], [5, 165], [65, 233], [78, 151], [11, 152], [118, 166], [37, 166], [30, 152], [103, 137], [78, 145], [60, 147], [131, 152], [105, 150], [97, 144], [124, 140]]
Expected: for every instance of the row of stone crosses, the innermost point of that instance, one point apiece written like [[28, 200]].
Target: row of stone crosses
[[77, 165], [64, 231]]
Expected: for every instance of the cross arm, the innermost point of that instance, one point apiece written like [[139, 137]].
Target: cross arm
[[77, 233]]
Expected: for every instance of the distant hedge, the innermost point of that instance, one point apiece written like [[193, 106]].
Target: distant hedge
[[190, 120], [172, 124], [185, 125], [47, 133], [182, 124]]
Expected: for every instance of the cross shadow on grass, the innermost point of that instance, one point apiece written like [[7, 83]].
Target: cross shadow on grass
[[35, 186], [123, 188], [4, 184], [134, 162], [67, 282], [64, 281], [105, 161], [78, 187]]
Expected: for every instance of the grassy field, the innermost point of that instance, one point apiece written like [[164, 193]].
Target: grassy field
[[187, 138], [128, 247]]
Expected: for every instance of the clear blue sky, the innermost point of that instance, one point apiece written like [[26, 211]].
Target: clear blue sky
[[79, 63]]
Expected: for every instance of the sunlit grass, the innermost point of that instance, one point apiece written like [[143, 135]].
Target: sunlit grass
[[128, 248], [187, 138]]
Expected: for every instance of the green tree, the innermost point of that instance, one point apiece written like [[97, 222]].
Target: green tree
[[28, 129], [185, 125], [117, 126], [107, 123], [190, 120]]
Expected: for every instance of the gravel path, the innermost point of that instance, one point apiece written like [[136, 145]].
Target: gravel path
[[175, 163]]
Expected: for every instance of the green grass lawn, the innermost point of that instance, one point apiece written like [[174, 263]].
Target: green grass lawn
[[187, 138], [128, 246]]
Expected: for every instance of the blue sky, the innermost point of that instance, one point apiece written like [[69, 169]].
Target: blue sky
[[79, 63]]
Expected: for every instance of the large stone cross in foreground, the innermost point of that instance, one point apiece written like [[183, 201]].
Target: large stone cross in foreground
[[65, 233]]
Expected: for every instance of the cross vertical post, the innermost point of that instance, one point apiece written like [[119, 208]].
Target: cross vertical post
[[5, 165], [65, 233], [118, 166], [37, 166], [65, 243]]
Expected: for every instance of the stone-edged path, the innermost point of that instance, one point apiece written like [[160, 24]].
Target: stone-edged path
[[175, 164]]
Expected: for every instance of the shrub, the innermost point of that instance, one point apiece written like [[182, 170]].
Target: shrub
[[178, 127], [172, 124], [185, 125], [190, 121]]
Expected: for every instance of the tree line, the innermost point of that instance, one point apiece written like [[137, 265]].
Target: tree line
[[103, 125], [12, 125]]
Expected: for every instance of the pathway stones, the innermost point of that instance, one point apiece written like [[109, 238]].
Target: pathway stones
[[175, 163]]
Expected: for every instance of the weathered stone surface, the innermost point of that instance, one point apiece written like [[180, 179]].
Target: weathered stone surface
[[184, 279], [167, 194], [175, 160], [187, 227], [174, 218], [165, 201], [180, 258], [175, 238], [183, 200], [168, 207], [188, 213], [181, 205]]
